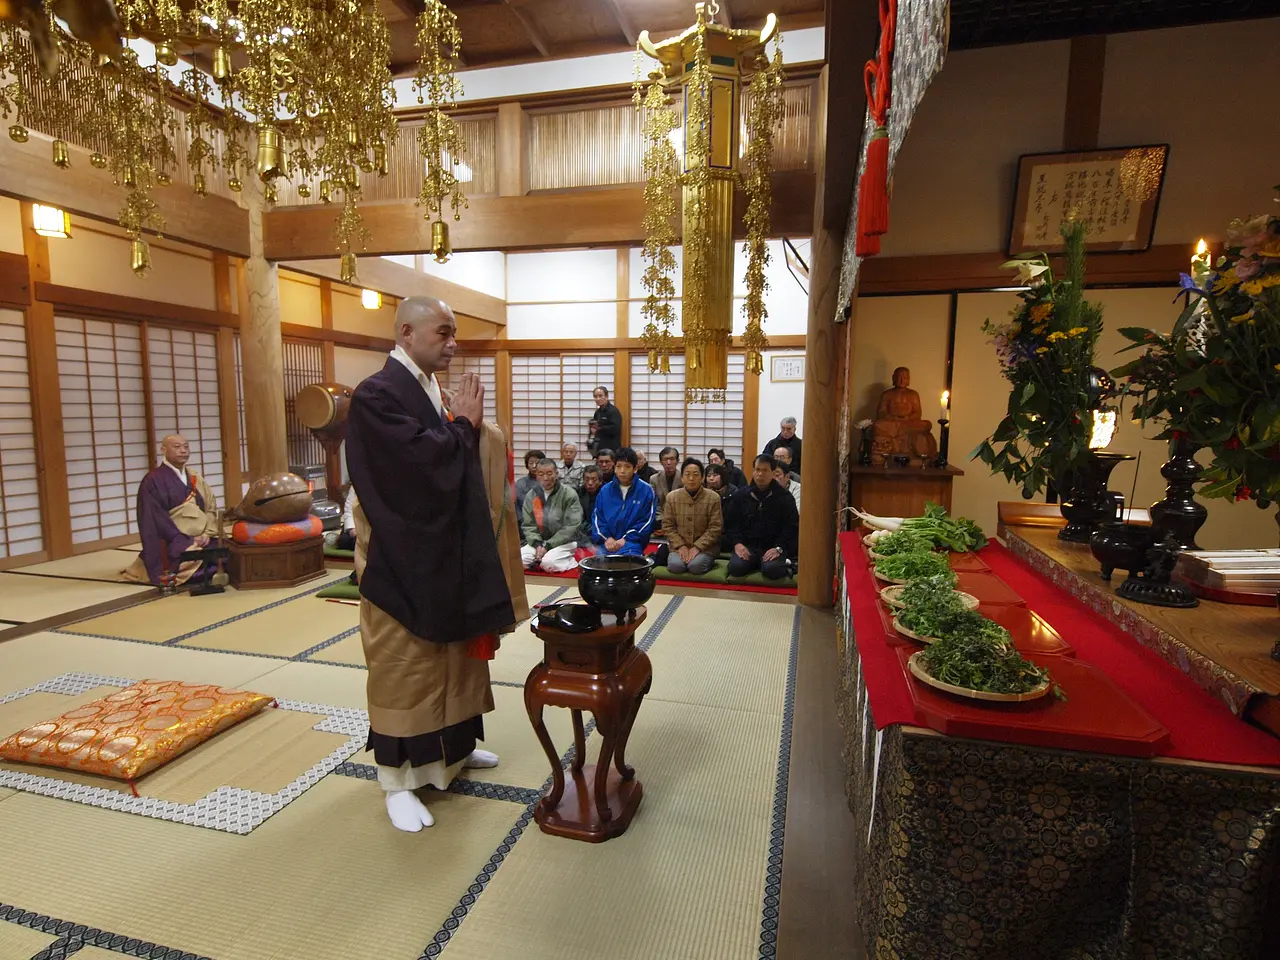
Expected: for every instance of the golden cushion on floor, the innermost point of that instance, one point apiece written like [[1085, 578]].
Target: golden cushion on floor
[[128, 734]]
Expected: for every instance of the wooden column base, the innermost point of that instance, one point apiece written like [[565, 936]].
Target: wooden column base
[[260, 566]]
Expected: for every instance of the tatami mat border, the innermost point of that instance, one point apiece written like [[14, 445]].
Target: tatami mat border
[[249, 613], [73, 937], [462, 786], [778, 829]]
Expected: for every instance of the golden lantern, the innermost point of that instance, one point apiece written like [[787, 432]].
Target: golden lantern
[[61, 155], [707, 65]]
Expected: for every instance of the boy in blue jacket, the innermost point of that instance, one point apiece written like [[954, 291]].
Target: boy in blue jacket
[[625, 511]]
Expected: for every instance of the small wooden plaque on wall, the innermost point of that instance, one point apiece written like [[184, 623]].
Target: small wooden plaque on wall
[[787, 369], [1116, 192]]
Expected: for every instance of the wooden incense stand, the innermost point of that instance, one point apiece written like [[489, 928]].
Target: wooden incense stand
[[601, 671]]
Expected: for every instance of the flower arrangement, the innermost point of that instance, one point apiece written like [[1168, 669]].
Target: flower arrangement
[[1046, 352], [1214, 380]]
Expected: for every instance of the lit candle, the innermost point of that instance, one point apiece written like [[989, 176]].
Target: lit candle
[[946, 404], [1200, 263]]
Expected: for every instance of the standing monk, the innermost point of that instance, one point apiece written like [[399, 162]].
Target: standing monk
[[433, 592], [176, 511]]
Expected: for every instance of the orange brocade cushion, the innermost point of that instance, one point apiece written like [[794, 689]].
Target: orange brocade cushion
[[128, 734]]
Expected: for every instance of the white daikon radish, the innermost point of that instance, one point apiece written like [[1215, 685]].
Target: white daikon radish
[[877, 523]]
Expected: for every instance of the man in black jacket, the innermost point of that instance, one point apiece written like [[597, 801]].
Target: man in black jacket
[[591, 483], [608, 420], [762, 526], [786, 438]]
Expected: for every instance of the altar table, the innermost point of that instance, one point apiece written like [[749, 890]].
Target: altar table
[[987, 848]]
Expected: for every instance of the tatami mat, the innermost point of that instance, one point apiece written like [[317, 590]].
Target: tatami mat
[[24, 599], [328, 878], [99, 565], [16, 941], [174, 616], [687, 878], [286, 630]]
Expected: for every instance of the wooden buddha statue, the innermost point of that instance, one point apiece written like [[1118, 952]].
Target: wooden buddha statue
[[899, 428]]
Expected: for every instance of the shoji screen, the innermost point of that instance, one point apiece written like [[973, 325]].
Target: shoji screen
[[303, 366], [104, 419], [486, 369], [20, 531], [660, 418], [183, 367], [551, 398]]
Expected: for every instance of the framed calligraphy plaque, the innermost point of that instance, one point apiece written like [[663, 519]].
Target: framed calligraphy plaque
[[1116, 192], [787, 369]]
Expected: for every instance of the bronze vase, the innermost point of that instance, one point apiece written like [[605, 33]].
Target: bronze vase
[[1179, 513]]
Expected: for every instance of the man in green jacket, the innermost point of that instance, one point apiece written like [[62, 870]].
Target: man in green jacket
[[550, 518]]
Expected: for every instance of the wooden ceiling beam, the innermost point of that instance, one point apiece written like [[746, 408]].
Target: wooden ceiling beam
[[608, 217], [531, 30], [624, 22], [725, 16]]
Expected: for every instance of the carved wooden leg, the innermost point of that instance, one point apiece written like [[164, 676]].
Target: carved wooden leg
[[579, 741], [607, 722], [534, 708], [632, 708]]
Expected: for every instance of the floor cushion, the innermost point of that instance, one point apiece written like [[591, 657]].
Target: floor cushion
[[127, 734], [342, 590], [337, 553], [719, 573], [251, 532]]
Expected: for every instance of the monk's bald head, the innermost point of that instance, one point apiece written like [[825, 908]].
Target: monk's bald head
[[425, 329], [175, 449]]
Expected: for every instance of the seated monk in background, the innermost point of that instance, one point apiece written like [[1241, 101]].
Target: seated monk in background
[[899, 427], [176, 512]]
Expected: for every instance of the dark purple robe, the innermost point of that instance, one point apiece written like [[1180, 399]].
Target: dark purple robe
[[433, 561], [159, 492]]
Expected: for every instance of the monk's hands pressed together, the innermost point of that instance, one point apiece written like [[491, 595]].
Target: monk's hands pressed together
[[468, 399]]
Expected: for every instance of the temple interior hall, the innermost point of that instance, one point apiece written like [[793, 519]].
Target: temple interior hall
[[866, 414]]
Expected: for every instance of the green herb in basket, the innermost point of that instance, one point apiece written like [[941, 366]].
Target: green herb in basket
[[926, 590], [928, 602], [902, 541], [909, 566], [969, 624], [975, 663], [954, 533]]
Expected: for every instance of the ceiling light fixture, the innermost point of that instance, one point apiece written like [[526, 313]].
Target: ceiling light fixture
[[51, 221], [371, 299]]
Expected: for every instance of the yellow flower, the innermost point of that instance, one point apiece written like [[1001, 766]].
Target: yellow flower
[[1038, 330], [1056, 336], [1076, 331], [1226, 281], [1241, 318], [1251, 287], [1040, 312], [1042, 349], [1278, 368]]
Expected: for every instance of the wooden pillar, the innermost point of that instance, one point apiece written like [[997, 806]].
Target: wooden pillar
[[228, 408], [46, 398], [502, 383], [512, 151], [824, 351], [261, 356], [750, 422], [1086, 72], [622, 358], [329, 368]]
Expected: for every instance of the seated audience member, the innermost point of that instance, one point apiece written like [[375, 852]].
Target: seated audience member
[[604, 460], [177, 511], [569, 469], [347, 538], [646, 470], [528, 483], [550, 521], [787, 481], [587, 497], [783, 457], [736, 478], [625, 512], [762, 525], [718, 481], [668, 478], [692, 522], [786, 438]]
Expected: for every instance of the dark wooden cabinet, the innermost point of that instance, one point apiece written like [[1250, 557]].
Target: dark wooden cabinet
[[259, 566]]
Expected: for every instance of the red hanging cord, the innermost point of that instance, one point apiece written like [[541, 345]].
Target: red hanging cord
[[873, 189]]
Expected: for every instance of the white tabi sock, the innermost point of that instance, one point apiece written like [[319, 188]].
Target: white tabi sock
[[480, 759], [408, 813]]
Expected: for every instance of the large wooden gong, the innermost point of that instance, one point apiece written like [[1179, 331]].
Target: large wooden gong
[[322, 408]]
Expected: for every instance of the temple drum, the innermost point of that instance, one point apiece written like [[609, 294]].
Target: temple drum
[[322, 407]]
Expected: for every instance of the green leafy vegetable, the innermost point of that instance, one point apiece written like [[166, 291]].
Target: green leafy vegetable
[[902, 541], [909, 566], [926, 590], [927, 602], [955, 533], [976, 663]]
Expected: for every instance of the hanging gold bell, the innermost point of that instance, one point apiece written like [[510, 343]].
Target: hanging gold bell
[[165, 54], [129, 178], [61, 155], [304, 189], [352, 182], [97, 160], [221, 65], [197, 183], [366, 164], [18, 133], [347, 268], [269, 192], [653, 361], [233, 184], [326, 191], [270, 156], [380, 158], [139, 256], [164, 180], [665, 364], [440, 246], [353, 134]]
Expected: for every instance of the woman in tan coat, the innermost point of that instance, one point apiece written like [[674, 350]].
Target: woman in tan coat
[[692, 522]]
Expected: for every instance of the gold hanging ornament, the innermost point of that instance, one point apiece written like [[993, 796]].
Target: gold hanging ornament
[[440, 142], [441, 248], [707, 64], [61, 155]]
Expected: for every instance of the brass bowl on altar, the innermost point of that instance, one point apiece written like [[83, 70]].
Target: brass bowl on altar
[[616, 584], [1120, 546]]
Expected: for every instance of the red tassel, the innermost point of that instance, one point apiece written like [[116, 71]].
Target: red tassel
[[873, 195], [868, 244]]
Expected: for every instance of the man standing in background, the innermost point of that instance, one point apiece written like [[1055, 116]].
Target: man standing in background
[[608, 420]]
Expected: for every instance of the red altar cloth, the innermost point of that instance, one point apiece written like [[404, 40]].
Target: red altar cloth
[[1200, 727]]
